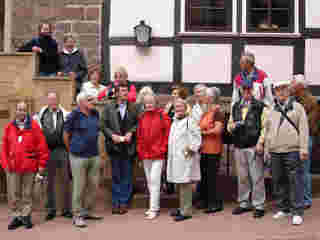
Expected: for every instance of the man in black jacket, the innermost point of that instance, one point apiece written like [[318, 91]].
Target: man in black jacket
[[119, 124], [247, 127], [47, 48], [73, 63], [51, 119]]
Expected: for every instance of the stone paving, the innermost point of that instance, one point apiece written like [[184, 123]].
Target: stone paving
[[134, 226]]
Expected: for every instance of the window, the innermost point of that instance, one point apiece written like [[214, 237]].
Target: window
[[208, 15], [270, 16]]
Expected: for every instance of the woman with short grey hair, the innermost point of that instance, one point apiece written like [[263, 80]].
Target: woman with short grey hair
[[211, 125]]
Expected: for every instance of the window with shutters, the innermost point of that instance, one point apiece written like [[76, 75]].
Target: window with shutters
[[208, 15], [270, 15]]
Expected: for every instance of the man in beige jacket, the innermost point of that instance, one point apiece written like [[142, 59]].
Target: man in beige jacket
[[286, 139]]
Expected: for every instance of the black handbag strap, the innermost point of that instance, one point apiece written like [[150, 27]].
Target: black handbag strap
[[284, 114]]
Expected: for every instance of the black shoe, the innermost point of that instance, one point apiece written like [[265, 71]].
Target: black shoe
[[67, 214], [213, 210], [258, 213], [181, 218], [15, 223], [240, 210], [175, 212], [92, 217], [51, 216], [27, 222], [201, 205]]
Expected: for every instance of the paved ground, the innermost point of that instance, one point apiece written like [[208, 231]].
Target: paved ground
[[133, 226]]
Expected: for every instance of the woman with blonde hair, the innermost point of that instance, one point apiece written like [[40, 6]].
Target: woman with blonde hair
[[146, 90], [120, 74], [152, 144]]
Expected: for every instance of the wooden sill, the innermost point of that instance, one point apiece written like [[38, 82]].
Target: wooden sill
[[272, 35]]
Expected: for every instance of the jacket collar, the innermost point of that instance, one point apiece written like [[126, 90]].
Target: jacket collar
[[27, 122], [65, 51]]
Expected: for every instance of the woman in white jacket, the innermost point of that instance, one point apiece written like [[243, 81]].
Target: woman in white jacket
[[184, 142]]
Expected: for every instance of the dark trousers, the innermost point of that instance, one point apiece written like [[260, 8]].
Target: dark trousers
[[58, 172], [210, 193], [121, 164], [288, 183]]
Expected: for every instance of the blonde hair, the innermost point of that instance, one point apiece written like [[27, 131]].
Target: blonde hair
[[123, 71], [146, 90]]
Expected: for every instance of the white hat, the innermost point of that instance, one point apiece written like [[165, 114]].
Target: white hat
[[281, 83]]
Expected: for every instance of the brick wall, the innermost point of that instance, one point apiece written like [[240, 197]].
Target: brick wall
[[81, 18]]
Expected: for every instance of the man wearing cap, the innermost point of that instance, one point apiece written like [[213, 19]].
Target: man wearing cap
[[260, 81], [299, 90], [246, 124], [286, 141]]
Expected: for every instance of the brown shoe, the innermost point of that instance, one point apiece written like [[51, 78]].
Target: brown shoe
[[115, 210], [123, 209]]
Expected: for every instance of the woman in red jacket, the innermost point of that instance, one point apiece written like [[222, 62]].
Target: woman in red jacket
[[152, 144], [120, 74], [24, 153]]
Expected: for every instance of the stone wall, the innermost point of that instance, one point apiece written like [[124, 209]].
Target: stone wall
[[81, 18], [1, 25]]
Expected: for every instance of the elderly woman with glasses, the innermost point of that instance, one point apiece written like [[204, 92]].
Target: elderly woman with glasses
[[120, 74]]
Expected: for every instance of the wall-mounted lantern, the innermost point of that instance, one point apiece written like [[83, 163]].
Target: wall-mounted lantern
[[142, 33]]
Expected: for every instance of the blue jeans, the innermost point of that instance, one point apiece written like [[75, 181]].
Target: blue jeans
[[121, 165], [288, 184], [307, 177]]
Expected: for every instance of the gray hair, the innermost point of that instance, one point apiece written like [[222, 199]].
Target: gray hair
[[143, 92], [214, 93], [249, 57], [82, 96], [198, 86], [300, 79]]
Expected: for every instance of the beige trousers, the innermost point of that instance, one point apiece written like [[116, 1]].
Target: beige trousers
[[20, 188]]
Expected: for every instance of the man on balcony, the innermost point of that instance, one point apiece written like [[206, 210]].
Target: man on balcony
[[47, 49]]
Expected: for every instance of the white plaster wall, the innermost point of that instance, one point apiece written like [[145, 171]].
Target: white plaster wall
[[152, 64], [312, 13], [276, 61], [207, 63], [312, 69], [125, 14]]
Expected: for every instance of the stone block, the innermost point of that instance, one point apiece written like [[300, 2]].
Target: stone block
[[86, 28], [70, 13], [92, 13], [63, 27], [27, 12], [86, 2], [88, 41]]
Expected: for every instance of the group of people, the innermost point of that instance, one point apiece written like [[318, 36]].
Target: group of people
[[270, 123]]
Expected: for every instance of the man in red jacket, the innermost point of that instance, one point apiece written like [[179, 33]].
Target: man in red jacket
[[152, 146], [24, 153]]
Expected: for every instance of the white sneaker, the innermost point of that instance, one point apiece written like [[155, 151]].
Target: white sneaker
[[152, 215], [146, 213], [79, 222], [297, 220], [280, 214]]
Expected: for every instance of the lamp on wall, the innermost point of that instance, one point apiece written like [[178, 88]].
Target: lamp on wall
[[142, 33]]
